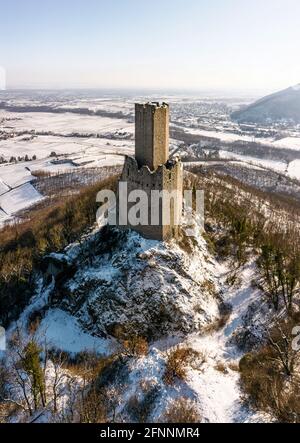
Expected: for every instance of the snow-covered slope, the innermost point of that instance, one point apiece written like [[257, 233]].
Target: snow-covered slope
[[283, 105], [212, 381], [158, 287], [173, 294]]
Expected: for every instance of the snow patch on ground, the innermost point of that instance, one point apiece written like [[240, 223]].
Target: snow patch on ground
[[294, 169], [274, 165], [219, 393], [288, 143], [63, 331], [19, 198]]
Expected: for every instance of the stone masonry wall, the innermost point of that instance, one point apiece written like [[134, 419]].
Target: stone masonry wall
[[165, 177], [151, 134]]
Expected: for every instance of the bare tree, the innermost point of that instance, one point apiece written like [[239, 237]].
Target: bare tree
[[59, 379], [26, 373], [280, 339]]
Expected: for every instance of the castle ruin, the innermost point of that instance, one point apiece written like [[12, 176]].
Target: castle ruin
[[152, 170]]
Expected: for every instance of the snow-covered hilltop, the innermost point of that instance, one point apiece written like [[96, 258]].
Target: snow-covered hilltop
[[157, 287], [280, 106], [173, 296]]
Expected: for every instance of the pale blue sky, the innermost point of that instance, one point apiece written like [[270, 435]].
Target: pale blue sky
[[190, 44]]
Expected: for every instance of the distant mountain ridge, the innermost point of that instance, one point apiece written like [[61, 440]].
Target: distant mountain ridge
[[282, 105]]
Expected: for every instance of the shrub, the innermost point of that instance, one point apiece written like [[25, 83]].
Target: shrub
[[209, 242], [86, 364], [266, 384], [258, 374], [135, 346], [182, 410], [91, 406], [140, 409], [132, 344], [234, 366], [221, 367], [177, 360], [34, 319], [209, 286], [186, 243]]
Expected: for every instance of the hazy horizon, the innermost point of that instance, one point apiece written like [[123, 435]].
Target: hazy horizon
[[165, 45], [174, 91]]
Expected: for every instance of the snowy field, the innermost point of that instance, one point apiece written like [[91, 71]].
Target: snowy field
[[17, 191], [223, 136], [287, 142], [292, 169], [19, 198], [43, 146], [108, 141], [64, 123]]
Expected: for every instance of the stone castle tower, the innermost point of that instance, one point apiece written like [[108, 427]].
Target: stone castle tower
[[152, 170]]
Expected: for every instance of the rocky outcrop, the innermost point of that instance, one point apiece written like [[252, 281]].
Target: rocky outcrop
[[155, 287]]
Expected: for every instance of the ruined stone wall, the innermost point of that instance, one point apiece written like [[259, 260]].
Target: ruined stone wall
[[151, 134], [168, 177], [160, 135], [173, 181], [144, 135]]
